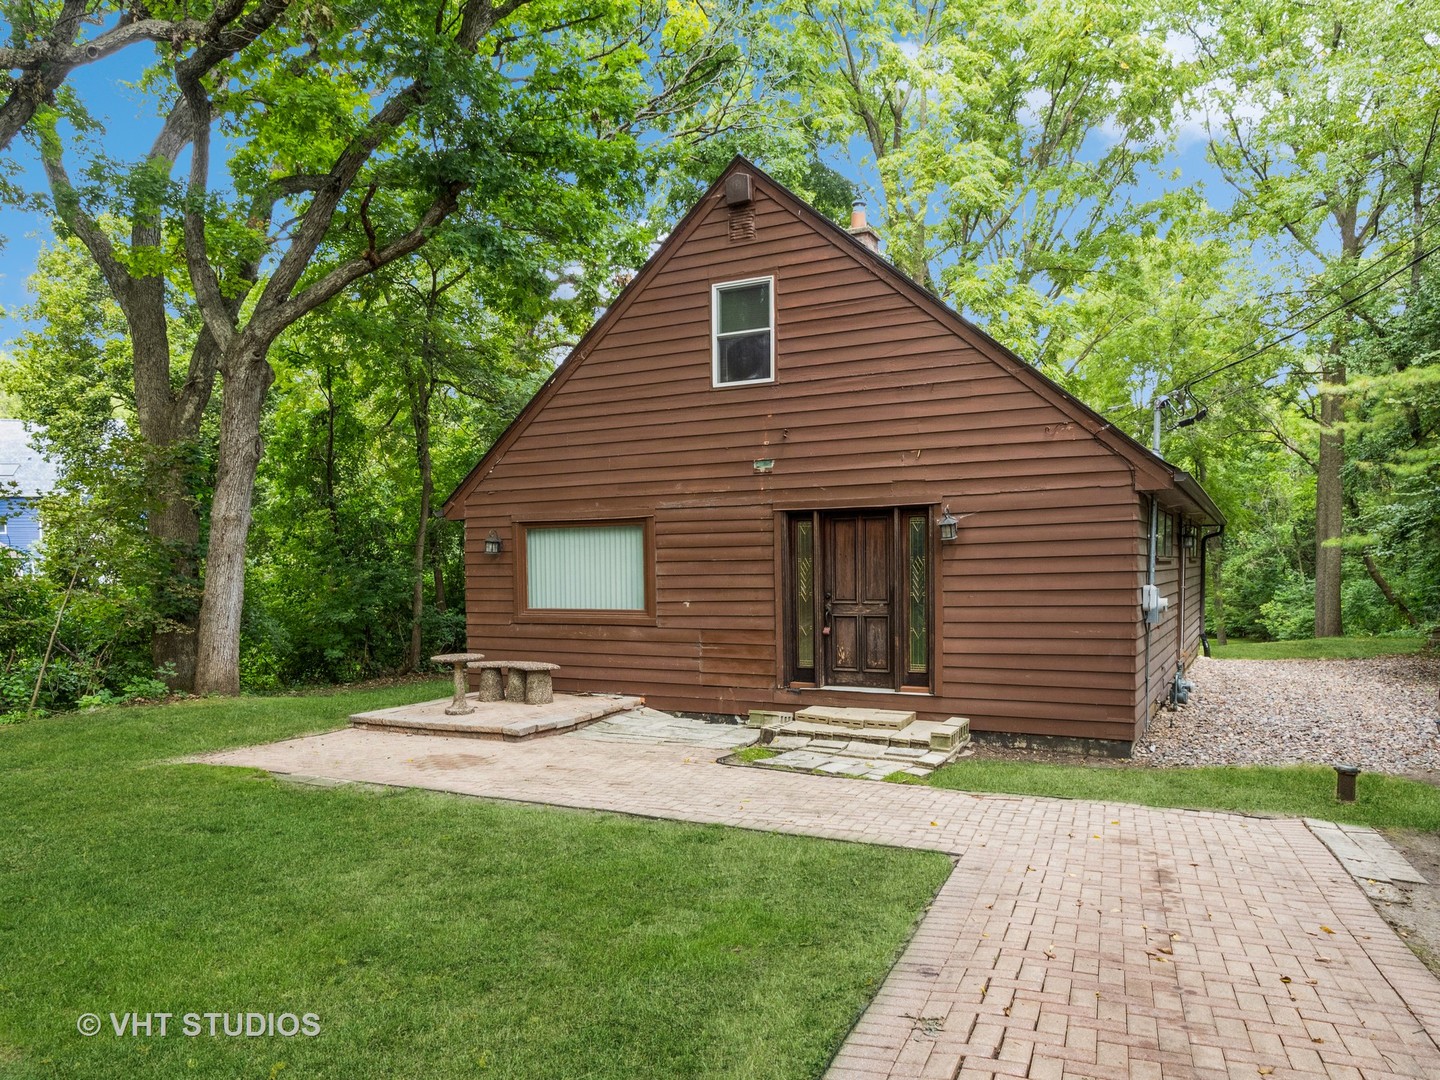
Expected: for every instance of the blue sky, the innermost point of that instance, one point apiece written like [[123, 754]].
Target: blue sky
[[130, 125]]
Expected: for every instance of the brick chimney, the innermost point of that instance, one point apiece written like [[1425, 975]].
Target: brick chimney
[[860, 230]]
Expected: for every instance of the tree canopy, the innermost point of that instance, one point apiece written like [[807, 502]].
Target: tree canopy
[[357, 238]]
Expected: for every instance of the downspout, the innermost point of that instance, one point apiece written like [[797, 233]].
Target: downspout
[[1204, 641]]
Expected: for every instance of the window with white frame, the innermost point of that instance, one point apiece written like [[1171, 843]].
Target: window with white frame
[[743, 331], [599, 567]]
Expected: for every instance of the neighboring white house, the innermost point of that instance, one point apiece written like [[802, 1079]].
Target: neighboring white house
[[25, 477]]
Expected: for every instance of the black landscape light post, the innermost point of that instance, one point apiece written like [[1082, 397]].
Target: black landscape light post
[[1345, 782]]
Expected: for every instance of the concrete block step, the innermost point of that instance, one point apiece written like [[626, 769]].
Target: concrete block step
[[855, 718], [934, 735], [880, 736]]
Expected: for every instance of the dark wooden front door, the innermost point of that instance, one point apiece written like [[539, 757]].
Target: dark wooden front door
[[859, 572]]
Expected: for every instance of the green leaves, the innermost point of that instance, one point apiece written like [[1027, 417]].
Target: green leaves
[[1009, 140]]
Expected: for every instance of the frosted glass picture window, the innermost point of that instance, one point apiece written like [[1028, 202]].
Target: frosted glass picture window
[[586, 568]]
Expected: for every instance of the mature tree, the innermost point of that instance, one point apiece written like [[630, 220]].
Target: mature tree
[[442, 339], [69, 378], [49, 41], [1393, 486], [350, 138], [1010, 141], [1325, 120]]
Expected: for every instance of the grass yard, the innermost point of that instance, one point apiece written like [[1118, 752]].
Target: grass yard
[[1294, 791], [432, 935], [1342, 648]]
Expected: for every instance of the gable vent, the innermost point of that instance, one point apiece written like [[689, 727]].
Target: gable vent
[[742, 223]]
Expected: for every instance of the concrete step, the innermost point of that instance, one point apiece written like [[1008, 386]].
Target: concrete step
[[880, 736], [953, 733], [855, 718]]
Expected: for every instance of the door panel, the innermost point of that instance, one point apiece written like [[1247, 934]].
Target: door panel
[[842, 558], [875, 565], [877, 643], [858, 584], [844, 642]]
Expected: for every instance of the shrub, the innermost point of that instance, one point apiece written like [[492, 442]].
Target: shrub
[[1290, 613]]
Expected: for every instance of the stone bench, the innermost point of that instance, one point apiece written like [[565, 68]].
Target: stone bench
[[525, 681]]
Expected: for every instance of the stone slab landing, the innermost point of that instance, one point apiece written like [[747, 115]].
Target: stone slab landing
[[870, 743], [508, 720]]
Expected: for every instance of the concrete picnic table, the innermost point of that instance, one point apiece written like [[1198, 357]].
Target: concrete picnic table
[[458, 660]]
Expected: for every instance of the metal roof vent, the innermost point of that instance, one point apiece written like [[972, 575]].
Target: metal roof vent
[[739, 190], [739, 196]]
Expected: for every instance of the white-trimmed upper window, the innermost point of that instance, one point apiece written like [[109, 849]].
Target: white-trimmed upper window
[[743, 331], [585, 567]]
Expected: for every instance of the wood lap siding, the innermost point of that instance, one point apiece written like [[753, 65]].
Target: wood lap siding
[[877, 403], [1177, 638], [1194, 617], [1164, 637]]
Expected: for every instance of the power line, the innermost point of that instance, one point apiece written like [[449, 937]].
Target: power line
[[1137, 410], [1188, 383], [1367, 268]]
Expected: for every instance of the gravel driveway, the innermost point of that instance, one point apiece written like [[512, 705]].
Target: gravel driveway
[[1381, 714]]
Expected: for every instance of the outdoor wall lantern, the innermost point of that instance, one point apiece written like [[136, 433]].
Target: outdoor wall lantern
[[949, 526], [492, 543]]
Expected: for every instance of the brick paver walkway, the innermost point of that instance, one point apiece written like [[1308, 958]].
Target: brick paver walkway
[[1075, 939]]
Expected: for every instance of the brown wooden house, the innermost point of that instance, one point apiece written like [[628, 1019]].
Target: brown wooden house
[[730, 496]]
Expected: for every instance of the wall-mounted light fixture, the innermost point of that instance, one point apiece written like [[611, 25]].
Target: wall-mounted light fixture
[[492, 543], [949, 526]]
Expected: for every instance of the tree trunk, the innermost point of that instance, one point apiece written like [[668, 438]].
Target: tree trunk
[[1329, 504], [437, 569], [422, 453], [1390, 594], [331, 505], [174, 528], [247, 378]]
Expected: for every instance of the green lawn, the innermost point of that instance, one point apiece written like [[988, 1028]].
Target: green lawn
[[432, 935], [1343, 648], [1296, 791]]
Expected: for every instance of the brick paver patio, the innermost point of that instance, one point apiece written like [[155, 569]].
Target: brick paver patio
[[1074, 939]]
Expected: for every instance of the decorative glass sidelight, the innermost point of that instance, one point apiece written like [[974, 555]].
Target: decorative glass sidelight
[[917, 580], [805, 594]]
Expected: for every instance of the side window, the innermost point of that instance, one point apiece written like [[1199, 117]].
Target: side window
[[743, 332]]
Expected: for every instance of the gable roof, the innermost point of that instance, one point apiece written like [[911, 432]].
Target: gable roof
[[21, 464], [1153, 473]]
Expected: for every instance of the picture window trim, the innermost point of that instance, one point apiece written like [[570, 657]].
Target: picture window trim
[[525, 613]]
